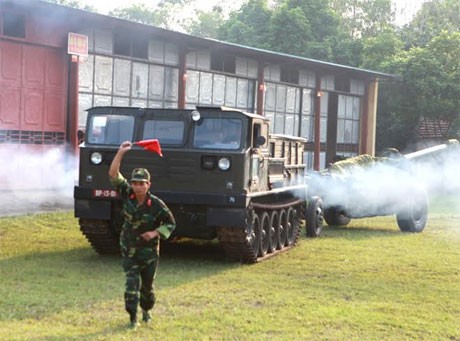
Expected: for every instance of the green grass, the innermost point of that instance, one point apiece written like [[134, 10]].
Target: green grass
[[367, 281]]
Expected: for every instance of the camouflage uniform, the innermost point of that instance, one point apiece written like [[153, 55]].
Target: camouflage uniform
[[140, 257]]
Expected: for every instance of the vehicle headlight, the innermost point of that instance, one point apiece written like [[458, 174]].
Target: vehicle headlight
[[196, 115], [224, 164], [96, 158]]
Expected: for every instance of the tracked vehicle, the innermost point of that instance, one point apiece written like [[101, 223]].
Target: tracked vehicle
[[222, 175]]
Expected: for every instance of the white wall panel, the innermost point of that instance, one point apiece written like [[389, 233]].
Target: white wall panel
[[156, 79], [242, 94], [140, 80], [218, 95], [193, 83], [85, 74], [205, 88], [171, 84], [121, 77], [103, 75], [230, 92]]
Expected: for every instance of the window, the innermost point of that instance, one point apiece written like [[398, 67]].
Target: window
[[14, 25], [167, 132], [110, 129], [126, 45], [218, 133], [289, 75], [223, 63]]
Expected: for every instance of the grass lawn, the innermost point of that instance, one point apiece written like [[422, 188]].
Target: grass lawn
[[366, 281]]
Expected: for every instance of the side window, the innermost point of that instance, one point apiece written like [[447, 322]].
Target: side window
[[259, 131]]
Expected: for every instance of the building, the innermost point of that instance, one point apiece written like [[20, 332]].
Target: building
[[44, 90]]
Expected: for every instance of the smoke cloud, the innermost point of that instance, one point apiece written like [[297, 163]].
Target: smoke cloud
[[35, 179], [384, 187]]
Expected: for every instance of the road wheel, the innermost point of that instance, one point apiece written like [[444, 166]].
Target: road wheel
[[282, 228], [292, 226], [254, 234], [265, 230], [336, 216], [274, 231], [315, 217]]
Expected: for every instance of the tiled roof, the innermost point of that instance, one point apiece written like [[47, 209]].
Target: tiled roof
[[429, 128]]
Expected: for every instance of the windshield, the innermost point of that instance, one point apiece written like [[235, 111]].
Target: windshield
[[110, 129], [218, 133], [168, 132]]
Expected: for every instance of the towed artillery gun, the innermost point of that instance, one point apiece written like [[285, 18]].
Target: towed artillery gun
[[394, 184], [222, 175]]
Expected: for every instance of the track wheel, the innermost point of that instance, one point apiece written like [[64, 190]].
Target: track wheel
[[265, 229], [282, 222], [291, 226], [254, 233], [274, 231]]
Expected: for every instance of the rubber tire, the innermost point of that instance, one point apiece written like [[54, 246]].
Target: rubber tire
[[315, 218], [255, 234], [415, 215], [275, 231], [336, 217], [282, 217], [265, 234]]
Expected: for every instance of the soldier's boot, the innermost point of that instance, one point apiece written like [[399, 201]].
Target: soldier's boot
[[146, 317], [133, 321]]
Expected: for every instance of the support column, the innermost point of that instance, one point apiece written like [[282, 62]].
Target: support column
[[182, 78], [369, 119], [72, 106], [317, 143], [260, 89]]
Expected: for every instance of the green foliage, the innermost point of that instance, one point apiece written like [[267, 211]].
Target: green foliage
[[73, 4], [139, 13], [250, 25], [205, 24], [434, 17], [366, 281]]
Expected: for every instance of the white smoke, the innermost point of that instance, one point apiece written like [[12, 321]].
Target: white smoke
[[35, 179], [382, 188]]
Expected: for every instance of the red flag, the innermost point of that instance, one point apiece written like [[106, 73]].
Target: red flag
[[151, 145]]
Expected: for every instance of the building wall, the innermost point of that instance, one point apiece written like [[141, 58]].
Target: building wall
[[33, 95]]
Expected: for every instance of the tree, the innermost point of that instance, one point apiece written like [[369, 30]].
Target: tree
[[250, 25], [139, 13], [434, 16], [429, 87], [205, 24], [73, 4]]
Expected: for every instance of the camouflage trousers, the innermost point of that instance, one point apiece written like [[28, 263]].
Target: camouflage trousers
[[140, 268]]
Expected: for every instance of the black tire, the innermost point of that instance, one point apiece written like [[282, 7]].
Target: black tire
[[265, 234], [282, 221], [274, 231], [292, 226], [336, 216], [254, 234], [414, 216], [315, 217]]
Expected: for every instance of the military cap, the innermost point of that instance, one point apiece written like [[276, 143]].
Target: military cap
[[140, 174]]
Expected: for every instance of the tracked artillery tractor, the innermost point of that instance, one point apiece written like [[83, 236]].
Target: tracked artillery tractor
[[222, 175]]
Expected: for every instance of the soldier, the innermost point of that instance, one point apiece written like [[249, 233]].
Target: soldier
[[146, 220]]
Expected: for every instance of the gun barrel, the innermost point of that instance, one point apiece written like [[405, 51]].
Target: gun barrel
[[431, 150]]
